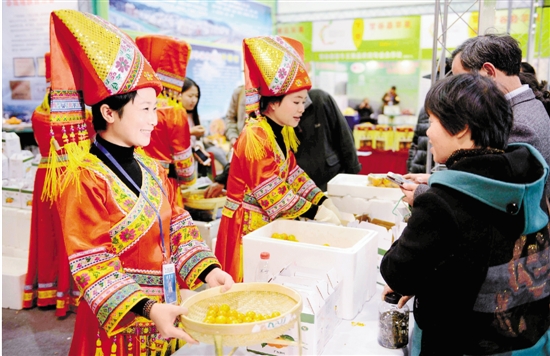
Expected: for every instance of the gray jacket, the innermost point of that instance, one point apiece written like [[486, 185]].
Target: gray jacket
[[236, 114]]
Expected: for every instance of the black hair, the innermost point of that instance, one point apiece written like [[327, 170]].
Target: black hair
[[266, 100], [116, 103], [188, 83], [539, 89], [473, 101], [502, 51], [527, 68]]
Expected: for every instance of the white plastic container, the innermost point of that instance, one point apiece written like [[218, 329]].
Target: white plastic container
[[208, 230], [357, 186], [351, 252]]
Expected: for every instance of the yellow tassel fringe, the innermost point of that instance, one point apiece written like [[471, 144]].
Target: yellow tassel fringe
[[255, 143]]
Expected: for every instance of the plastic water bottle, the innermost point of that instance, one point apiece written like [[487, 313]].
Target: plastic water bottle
[[262, 271]]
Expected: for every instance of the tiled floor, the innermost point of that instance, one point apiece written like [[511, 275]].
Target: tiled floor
[[36, 332]]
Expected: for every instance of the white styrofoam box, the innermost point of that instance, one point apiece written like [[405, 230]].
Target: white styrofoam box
[[374, 208], [352, 252], [16, 231], [14, 271], [318, 317], [385, 240], [208, 230], [11, 144], [20, 164], [357, 186], [11, 196]]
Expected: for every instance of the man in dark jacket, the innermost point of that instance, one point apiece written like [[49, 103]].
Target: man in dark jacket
[[326, 143], [416, 163]]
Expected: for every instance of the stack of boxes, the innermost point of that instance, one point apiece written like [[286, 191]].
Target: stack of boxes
[[18, 171], [333, 267]]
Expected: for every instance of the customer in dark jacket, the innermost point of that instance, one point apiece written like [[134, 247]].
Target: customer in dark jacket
[[476, 251], [418, 153]]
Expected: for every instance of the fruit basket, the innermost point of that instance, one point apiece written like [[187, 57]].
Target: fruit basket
[[262, 298], [194, 198]]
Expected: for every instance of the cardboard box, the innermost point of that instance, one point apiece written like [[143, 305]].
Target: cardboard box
[[11, 196], [20, 164], [351, 252], [26, 197], [318, 319], [5, 167], [11, 144]]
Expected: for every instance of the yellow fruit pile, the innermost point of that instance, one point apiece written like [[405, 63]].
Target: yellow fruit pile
[[381, 181], [223, 314], [284, 236], [13, 121], [195, 197]]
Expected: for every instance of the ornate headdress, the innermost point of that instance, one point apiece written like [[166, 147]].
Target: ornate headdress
[[169, 57], [273, 66], [91, 60]]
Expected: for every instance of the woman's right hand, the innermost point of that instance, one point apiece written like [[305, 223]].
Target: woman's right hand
[[164, 316], [197, 131]]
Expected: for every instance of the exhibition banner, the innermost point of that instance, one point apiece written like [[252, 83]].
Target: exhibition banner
[[213, 21], [25, 40], [459, 29], [217, 72], [388, 38], [300, 31]]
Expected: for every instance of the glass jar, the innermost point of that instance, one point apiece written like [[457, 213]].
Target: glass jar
[[393, 323]]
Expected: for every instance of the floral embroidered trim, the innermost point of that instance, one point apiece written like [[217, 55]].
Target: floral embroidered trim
[[102, 289], [118, 306], [85, 259]]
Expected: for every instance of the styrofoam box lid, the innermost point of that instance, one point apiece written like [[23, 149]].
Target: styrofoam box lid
[[357, 185], [344, 239]]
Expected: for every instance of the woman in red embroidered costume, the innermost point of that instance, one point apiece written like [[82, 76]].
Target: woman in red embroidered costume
[[124, 233], [264, 182], [48, 280]]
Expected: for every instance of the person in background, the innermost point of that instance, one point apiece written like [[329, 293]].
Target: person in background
[[171, 139], [48, 280], [539, 89], [418, 153], [326, 144], [121, 225], [390, 97], [527, 68], [265, 183], [236, 115], [190, 97], [498, 57], [365, 111], [476, 249]]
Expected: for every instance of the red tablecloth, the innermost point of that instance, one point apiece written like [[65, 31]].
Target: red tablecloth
[[384, 161]]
